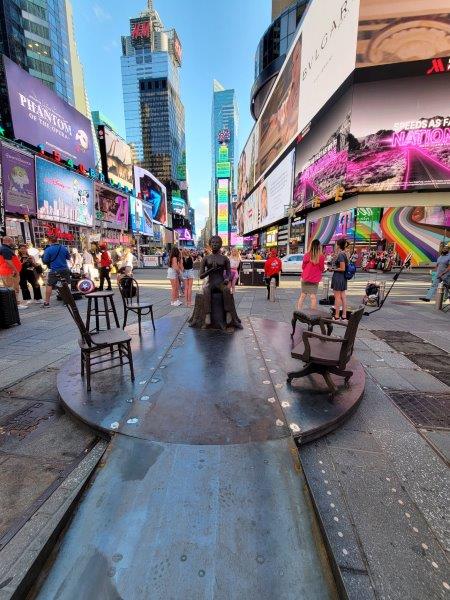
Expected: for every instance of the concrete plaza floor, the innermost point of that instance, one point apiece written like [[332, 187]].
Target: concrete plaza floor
[[379, 484]]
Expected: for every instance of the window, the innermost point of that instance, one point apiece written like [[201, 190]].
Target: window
[[33, 9], [36, 28]]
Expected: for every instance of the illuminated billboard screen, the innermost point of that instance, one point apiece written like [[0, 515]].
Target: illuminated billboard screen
[[62, 195], [247, 165], [118, 157], [269, 201], [223, 210], [403, 144], [19, 186], [401, 31], [223, 169], [141, 216], [154, 191], [111, 207], [41, 117]]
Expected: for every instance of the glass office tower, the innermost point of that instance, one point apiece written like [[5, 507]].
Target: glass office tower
[[154, 113], [224, 130]]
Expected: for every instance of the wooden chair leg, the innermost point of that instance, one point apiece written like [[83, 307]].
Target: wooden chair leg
[[88, 370], [139, 321], [294, 324], [153, 321], [330, 383], [307, 370], [121, 354], [130, 360], [125, 317], [82, 363]]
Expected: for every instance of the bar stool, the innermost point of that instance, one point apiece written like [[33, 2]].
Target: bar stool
[[106, 296]]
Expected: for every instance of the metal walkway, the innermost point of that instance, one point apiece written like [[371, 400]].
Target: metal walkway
[[223, 517]]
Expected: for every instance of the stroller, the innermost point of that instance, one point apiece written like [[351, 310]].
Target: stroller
[[373, 293]]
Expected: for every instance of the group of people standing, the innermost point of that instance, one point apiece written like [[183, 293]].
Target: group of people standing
[[180, 270]]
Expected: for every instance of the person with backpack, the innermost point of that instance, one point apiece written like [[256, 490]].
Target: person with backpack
[[56, 257], [272, 270], [339, 280], [312, 271], [105, 267]]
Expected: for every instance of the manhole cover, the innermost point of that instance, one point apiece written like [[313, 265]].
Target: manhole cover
[[23, 422], [397, 336], [429, 411]]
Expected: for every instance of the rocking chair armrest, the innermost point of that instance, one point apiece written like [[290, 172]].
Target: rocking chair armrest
[[323, 321]]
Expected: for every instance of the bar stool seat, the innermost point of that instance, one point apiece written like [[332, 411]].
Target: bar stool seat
[[95, 311]]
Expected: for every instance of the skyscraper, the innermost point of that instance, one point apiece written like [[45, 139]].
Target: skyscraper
[[154, 114], [224, 133]]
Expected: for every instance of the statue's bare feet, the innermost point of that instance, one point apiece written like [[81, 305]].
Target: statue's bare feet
[[208, 319]]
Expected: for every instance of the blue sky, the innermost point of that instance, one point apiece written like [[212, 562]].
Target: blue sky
[[219, 42]]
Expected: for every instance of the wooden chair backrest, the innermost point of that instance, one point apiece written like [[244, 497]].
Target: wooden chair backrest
[[350, 336], [66, 295], [126, 285]]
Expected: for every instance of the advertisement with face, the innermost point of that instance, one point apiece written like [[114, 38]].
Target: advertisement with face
[[62, 195], [321, 156], [247, 165], [269, 201], [141, 216], [39, 116], [154, 191], [402, 144], [111, 207], [19, 186], [329, 35], [278, 124], [402, 31], [119, 160]]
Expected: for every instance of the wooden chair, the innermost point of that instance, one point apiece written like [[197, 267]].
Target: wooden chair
[[129, 290], [327, 355], [98, 348]]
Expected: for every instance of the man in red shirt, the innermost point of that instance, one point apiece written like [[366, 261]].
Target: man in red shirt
[[10, 267], [272, 268], [105, 266]]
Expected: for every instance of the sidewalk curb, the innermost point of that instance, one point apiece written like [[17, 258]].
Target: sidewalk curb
[[22, 558]]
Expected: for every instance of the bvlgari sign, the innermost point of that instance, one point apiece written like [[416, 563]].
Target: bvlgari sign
[[41, 117]]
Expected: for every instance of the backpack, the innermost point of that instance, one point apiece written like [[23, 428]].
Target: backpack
[[350, 271]]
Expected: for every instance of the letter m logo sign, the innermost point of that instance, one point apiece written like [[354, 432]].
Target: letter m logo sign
[[438, 66]]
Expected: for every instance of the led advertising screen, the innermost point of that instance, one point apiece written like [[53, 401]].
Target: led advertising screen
[[402, 31], [223, 210], [119, 163], [2, 205], [111, 207], [184, 235], [62, 195], [39, 116], [19, 186], [178, 205], [247, 165], [141, 216], [148, 186], [402, 144], [269, 201], [321, 156]]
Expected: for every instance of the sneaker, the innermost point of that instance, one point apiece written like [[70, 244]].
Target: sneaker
[[46, 305], [425, 299], [177, 303], [22, 306], [38, 301]]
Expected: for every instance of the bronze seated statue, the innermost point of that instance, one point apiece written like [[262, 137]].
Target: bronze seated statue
[[207, 312]]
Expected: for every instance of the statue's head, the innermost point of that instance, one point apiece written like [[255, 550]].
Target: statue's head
[[216, 243]]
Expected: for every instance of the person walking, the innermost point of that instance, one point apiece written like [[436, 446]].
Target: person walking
[[442, 273], [272, 269], [173, 272], [188, 276], [312, 271], [28, 275], [127, 261], [88, 265], [339, 281], [235, 264], [105, 267], [56, 257], [10, 268]]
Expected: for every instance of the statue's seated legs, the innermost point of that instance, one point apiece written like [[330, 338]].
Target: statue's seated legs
[[215, 307]]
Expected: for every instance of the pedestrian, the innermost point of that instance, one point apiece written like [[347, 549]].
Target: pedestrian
[[76, 261], [127, 261], [312, 271], [188, 276], [338, 281], [10, 267], [88, 268], [173, 272], [105, 267], [235, 264], [28, 275], [272, 269], [56, 257], [442, 273]]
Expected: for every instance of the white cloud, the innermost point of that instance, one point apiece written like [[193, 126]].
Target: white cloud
[[201, 212], [111, 45], [100, 13]]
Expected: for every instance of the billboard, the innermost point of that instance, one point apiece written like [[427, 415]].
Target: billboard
[[184, 235], [117, 156], [111, 207], [178, 205], [223, 210], [62, 195], [223, 170], [247, 165], [40, 117], [2, 205], [154, 191], [19, 186], [141, 216], [269, 201], [403, 144], [321, 156], [402, 31], [177, 48]]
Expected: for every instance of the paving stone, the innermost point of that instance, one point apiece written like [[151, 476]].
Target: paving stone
[[425, 382], [396, 360], [389, 378]]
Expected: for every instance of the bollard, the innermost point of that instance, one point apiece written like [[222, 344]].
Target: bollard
[[272, 290], [439, 296]]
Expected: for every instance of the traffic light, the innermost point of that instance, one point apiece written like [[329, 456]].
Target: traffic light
[[315, 202], [339, 193]]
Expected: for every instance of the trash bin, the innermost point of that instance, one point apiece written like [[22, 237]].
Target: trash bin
[[258, 272], [246, 274]]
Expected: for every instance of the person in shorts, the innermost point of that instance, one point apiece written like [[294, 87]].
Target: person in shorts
[[55, 257], [339, 281], [188, 276], [312, 271], [173, 272]]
